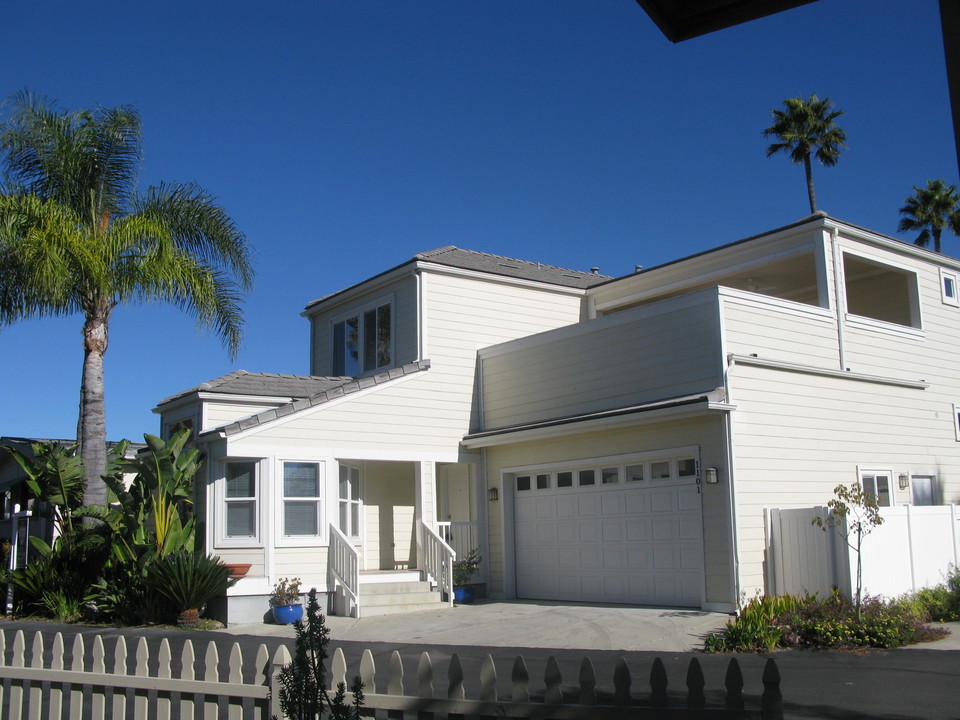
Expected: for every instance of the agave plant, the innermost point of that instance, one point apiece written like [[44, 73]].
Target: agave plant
[[189, 581]]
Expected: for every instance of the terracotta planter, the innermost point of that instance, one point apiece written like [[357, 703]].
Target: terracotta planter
[[238, 570]]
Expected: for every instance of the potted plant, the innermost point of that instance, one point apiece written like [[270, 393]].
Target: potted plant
[[285, 601], [463, 570]]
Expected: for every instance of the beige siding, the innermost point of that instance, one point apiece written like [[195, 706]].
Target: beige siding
[[244, 555], [307, 563], [389, 514], [706, 432], [789, 332], [403, 292], [218, 414], [797, 436], [655, 352]]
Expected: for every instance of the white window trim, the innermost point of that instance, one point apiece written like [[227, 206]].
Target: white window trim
[[879, 470], [358, 311], [323, 538], [956, 421], [953, 277], [220, 504]]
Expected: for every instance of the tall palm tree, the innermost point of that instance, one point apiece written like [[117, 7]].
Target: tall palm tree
[[930, 210], [77, 238], [805, 128]]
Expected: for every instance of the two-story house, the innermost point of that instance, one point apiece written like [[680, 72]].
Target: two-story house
[[609, 440]]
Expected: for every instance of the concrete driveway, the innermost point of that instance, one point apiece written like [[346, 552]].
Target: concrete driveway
[[525, 624]]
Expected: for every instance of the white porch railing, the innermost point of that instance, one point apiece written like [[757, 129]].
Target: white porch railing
[[344, 568], [462, 537], [436, 559]]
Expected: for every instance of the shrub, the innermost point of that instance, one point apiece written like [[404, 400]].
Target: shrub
[[754, 628], [189, 581], [465, 568]]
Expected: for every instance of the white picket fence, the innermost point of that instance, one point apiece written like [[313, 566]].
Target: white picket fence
[[912, 549], [32, 688]]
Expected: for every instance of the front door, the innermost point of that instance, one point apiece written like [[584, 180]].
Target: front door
[[350, 503]]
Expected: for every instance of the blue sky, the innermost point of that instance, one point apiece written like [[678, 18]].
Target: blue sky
[[344, 137]]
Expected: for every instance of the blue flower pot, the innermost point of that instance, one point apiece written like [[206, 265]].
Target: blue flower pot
[[286, 614], [464, 594]]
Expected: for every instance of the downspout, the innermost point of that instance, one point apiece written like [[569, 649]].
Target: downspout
[[838, 297], [419, 281]]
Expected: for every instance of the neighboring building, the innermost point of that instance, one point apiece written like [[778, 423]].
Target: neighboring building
[[609, 440]]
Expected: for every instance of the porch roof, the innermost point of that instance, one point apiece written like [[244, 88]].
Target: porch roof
[[241, 382], [714, 400], [345, 386]]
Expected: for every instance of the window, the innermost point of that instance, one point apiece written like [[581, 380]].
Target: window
[[240, 500], [660, 470], [881, 292], [301, 499], [686, 467], [350, 501], [634, 473], [922, 489], [564, 479], [363, 342], [877, 483], [587, 477], [523, 482], [948, 288], [175, 427], [543, 482], [610, 475]]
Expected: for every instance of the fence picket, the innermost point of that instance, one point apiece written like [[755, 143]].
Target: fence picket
[[771, 702], [76, 689], [588, 683], [553, 694], [395, 681], [488, 680], [455, 679], [55, 707], [120, 668], [338, 670], [235, 676], [621, 683], [734, 684], [164, 704], [98, 700], [520, 679], [36, 690], [188, 701], [211, 674], [425, 676], [695, 684], [368, 671], [658, 684], [281, 658], [16, 689], [141, 669]]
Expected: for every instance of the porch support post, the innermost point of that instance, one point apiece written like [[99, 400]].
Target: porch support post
[[426, 500]]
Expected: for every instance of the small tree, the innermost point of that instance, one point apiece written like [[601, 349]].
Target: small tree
[[303, 692], [855, 513]]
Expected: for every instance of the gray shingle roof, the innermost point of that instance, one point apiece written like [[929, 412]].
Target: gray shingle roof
[[499, 265], [241, 382], [348, 386]]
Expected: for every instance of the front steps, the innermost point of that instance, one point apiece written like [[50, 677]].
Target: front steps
[[389, 592]]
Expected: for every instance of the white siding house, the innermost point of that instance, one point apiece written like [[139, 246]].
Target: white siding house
[[607, 440]]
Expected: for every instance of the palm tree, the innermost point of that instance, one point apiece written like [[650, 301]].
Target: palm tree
[[930, 210], [805, 126], [77, 237]]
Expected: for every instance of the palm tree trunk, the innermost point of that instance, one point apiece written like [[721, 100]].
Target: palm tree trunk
[[93, 423], [936, 239], [809, 172]]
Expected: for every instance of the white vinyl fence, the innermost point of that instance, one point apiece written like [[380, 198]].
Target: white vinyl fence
[[912, 549]]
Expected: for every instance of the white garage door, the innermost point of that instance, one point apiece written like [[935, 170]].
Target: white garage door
[[630, 532]]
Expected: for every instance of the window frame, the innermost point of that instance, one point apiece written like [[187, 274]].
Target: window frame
[[874, 471], [322, 536], [222, 501], [354, 537], [359, 312], [951, 277]]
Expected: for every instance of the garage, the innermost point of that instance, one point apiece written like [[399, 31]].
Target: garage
[[629, 531]]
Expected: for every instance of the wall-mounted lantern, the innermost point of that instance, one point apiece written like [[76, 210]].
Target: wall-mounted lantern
[[493, 494], [904, 481], [710, 476]]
